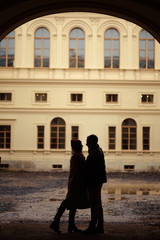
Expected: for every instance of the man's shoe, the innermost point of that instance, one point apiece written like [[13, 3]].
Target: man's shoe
[[89, 231]]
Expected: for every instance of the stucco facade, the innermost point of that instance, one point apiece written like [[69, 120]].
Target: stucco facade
[[93, 114]]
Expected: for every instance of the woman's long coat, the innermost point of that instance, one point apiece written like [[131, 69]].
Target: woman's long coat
[[77, 193]]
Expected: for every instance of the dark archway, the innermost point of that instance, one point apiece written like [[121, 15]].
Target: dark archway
[[144, 13]]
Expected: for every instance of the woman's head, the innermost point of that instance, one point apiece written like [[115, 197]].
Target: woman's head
[[76, 145]]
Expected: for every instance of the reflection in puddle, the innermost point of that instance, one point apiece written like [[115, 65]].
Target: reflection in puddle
[[130, 190]]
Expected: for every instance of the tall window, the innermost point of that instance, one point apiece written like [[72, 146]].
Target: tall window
[[146, 50], [112, 138], [5, 136], [42, 47], [76, 46], [111, 48], [75, 132], [7, 46], [58, 133], [146, 138], [129, 134], [40, 137]]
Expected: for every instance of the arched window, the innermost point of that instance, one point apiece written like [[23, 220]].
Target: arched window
[[146, 50], [7, 46], [129, 134], [111, 48], [42, 48], [57, 133], [76, 48]]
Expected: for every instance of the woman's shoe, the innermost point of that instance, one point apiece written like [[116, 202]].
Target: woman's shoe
[[73, 228], [55, 226]]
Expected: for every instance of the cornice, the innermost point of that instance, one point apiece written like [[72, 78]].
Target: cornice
[[80, 110], [81, 81]]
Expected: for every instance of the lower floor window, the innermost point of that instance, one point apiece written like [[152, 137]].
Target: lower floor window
[[40, 137], [5, 136], [146, 138], [75, 132], [112, 138]]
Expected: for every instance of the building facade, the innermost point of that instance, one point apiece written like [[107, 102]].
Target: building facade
[[66, 76]]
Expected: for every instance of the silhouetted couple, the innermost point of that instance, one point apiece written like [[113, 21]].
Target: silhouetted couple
[[84, 186]]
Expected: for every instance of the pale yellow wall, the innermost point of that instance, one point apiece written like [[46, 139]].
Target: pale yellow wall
[[58, 81]]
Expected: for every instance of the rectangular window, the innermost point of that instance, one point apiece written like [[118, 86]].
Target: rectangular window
[[40, 137], [146, 138], [41, 97], [6, 97], [111, 98], [5, 137], [76, 97], [75, 132], [112, 138], [147, 98]]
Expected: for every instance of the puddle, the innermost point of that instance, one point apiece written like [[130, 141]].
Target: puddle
[[131, 190]]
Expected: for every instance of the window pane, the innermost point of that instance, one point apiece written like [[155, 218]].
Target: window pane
[[72, 53], [143, 34], [45, 32], [142, 44], [3, 43], [80, 43], [108, 44], [115, 33], [73, 33], [80, 33], [11, 43], [72, 63], [10, 62], [150, 44], [45, 53], [107, 63], [142, 54], [37, 53], [116, 44], [37, 63], [108, 33], [115, 63], [46, 43], [72, 43]]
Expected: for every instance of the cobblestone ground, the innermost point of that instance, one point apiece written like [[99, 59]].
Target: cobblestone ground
[[28, 197]]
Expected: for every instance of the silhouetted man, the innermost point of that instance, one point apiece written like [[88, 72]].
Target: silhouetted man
[[96, 176]]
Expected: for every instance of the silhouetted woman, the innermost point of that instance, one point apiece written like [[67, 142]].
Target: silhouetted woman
[[76, 197]]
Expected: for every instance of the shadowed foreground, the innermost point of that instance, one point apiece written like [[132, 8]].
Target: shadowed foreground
[[112, 231]]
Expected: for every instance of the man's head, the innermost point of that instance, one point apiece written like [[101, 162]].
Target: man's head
[[92, 140]]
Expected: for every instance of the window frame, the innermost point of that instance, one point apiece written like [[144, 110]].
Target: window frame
[[7, 38], [129, 133], [146, 138], [57, 134], [111, 49], [146, 50], [43, 137], [41, 49], [72, 132], [5, 137], [76, 55], [109, 138]]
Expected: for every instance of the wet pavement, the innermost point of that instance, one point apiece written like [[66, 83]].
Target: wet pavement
[[33, 198]]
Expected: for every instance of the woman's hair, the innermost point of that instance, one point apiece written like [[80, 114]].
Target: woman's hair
[[76, 145]]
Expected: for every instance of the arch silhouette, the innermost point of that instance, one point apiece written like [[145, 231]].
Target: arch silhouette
[[143, 13]]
